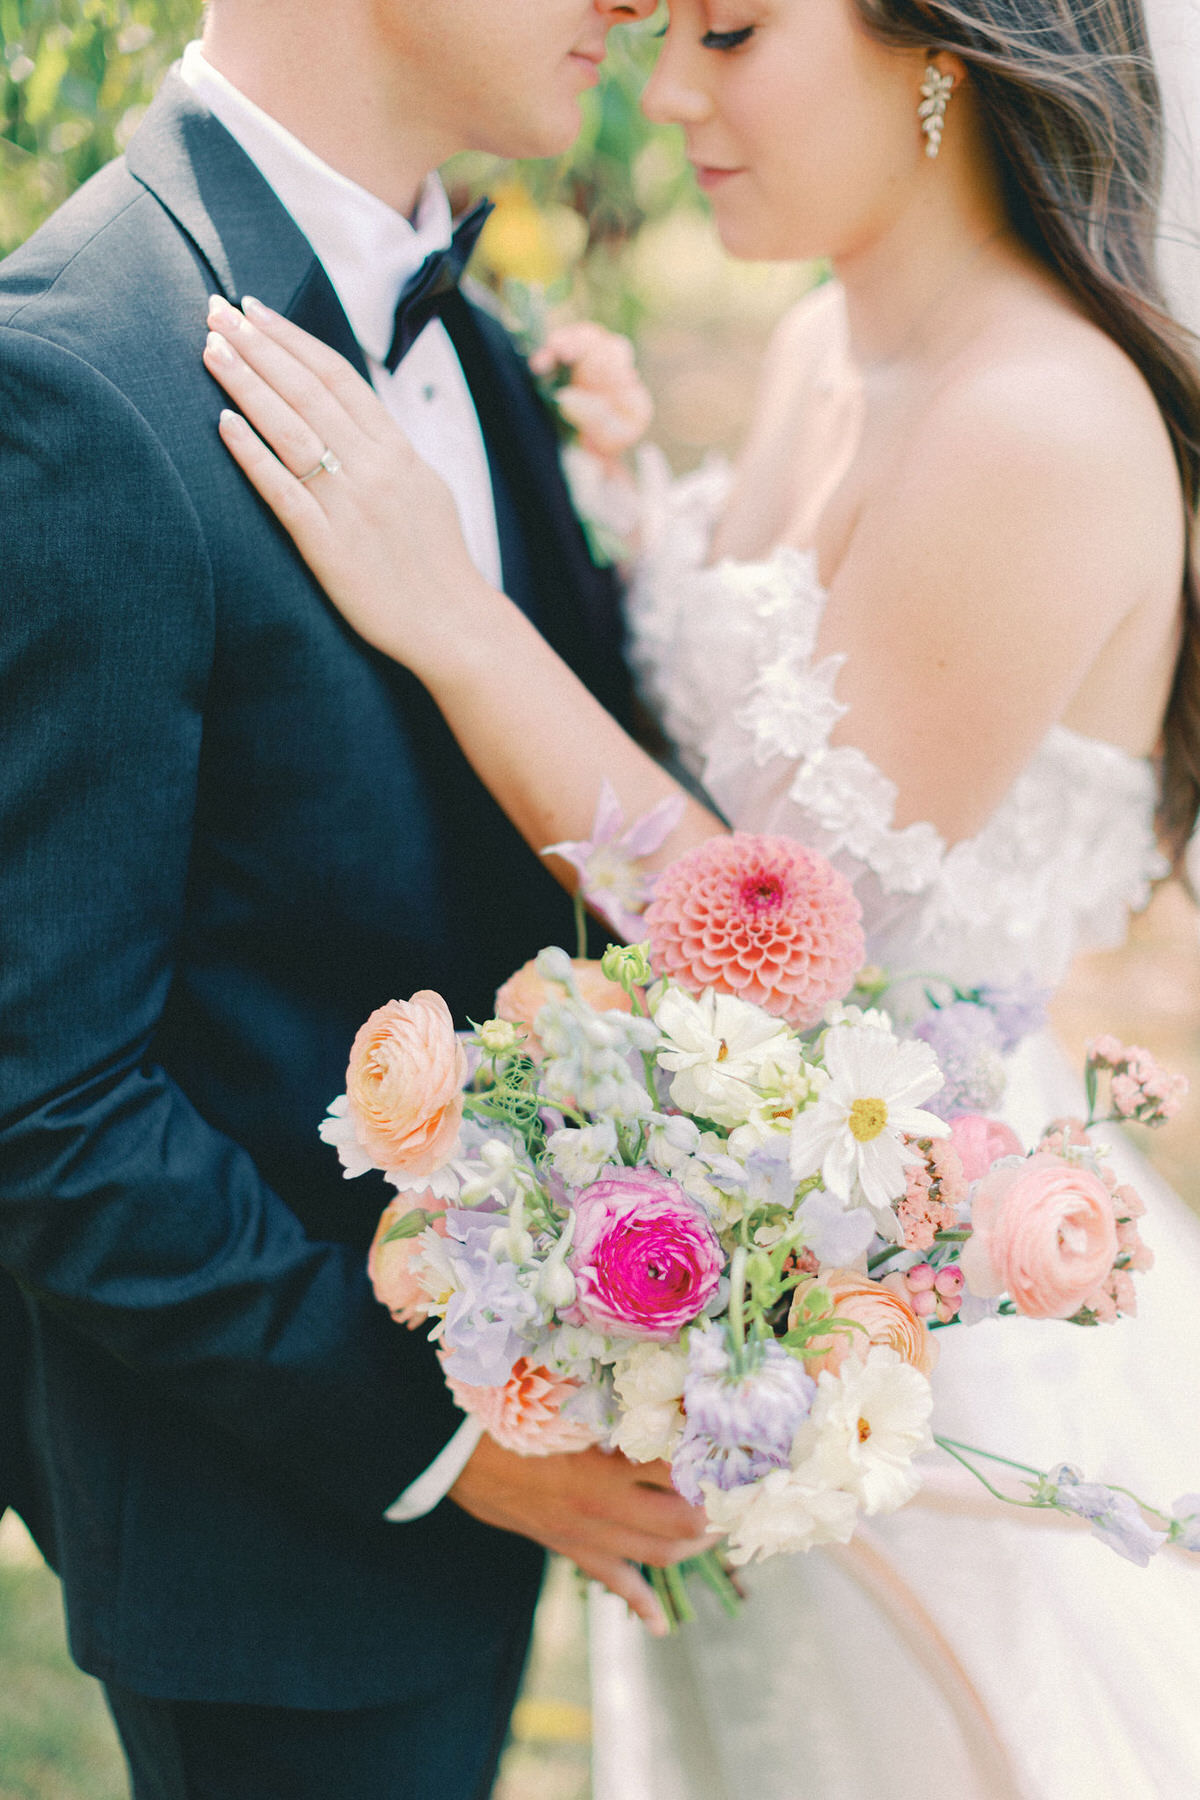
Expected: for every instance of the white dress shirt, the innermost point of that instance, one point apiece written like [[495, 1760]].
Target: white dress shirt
[[369, 252]]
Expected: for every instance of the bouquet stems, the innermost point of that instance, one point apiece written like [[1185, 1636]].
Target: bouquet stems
[[671, 1587]]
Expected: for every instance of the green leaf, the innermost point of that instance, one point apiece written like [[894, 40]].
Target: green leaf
[[410, 1226]]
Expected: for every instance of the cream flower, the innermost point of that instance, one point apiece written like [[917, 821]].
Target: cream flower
[[854, 1133], [866, 1425], [788, 1510], [725, 1053]]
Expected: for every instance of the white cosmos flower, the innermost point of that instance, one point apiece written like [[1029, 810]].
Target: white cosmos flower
[[852, 1135], [866, 1425], [787, 1510], [725, 1053]]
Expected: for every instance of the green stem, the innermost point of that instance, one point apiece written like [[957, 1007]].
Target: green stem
[[947, 1446], [881, 1256], [581, 943], [685, 1612], [737, 1305], [990, 1456]]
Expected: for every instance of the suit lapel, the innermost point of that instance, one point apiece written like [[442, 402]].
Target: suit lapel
[[240, 228]]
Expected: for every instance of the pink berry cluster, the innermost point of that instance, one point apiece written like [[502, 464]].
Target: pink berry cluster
[[936, 1185], [932, 1293], [1139, 1086]]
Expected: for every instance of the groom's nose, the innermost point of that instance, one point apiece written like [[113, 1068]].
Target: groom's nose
[[624, 12]]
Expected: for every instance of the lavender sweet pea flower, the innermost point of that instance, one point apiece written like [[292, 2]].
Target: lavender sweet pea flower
[[835, 1235], [967, 1043], [1116, 1518], [1186, 1520], [1017, 1011], [739, 1426], [486, 1315]]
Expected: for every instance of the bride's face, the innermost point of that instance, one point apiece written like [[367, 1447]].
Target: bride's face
[[802, 128]]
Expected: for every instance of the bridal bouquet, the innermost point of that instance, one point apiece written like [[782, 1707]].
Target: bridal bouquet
[[704, 1200]]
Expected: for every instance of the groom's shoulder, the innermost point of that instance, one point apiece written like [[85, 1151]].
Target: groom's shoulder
[[101, 265]]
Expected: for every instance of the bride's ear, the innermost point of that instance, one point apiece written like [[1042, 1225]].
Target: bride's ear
[[945, 73]]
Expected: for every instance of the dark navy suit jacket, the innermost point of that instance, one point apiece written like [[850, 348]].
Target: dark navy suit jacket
[[228, 830]]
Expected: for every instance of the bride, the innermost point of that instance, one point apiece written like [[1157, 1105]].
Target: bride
[[940, 623]]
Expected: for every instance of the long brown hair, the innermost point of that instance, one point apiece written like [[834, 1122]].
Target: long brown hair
[[1069, 94]]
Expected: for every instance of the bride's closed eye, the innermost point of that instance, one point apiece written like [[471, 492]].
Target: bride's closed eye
[[727, 40]]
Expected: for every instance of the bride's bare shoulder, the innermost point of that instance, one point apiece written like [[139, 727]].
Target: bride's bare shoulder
[[1047, 420]]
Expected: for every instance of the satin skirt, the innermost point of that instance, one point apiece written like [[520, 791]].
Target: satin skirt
[[960, 1646]]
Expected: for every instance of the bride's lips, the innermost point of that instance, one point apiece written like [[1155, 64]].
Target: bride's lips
[[709, 178]]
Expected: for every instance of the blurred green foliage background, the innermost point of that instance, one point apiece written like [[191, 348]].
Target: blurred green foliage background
[[76, 76]]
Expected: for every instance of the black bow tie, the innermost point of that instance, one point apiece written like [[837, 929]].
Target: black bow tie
[[436, 279]]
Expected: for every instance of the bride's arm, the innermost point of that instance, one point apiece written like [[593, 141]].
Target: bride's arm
[[382, 536]]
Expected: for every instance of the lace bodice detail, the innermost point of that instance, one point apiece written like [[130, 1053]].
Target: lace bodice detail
[[725, 655]]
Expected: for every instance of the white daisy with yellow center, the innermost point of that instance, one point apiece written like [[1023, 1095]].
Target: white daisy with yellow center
[[853, 1135]]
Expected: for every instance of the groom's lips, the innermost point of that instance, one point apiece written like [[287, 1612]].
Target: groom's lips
[[588, 62]]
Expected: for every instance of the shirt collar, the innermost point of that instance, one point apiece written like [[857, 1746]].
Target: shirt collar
[[368, 250]]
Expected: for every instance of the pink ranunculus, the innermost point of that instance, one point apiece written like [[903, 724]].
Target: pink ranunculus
[[525, 1413], [980, 1142], [646, 1261], [404, 1084], [524, 994], [759, 917], [1044, 1232]]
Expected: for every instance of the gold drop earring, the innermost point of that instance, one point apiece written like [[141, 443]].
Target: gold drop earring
[[936, 90]]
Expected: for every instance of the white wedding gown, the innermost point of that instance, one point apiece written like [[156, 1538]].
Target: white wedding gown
[[956, 1647]]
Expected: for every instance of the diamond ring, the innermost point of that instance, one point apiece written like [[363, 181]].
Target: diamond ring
[[328, 465]]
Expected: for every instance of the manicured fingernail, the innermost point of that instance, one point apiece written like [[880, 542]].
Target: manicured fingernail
[[231, 421], [219, 350], [254, 309], [218, 306]]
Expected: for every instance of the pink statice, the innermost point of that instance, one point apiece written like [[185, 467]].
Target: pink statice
[[759, 917], [936, 1187], [1139, 1087]]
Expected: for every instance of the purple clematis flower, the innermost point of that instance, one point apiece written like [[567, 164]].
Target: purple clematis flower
[[611, 881]]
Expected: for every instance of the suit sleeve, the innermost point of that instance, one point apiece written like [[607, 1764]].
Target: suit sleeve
[[149, 1231]]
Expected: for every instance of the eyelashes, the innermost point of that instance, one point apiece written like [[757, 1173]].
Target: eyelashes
[[727, 40]]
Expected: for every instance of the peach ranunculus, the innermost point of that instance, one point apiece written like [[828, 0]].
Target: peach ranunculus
[[885, 1316], [1044, 1232], [980, 1142], [525, 1413], [397, 1284], [524, 994], [404, 1084]]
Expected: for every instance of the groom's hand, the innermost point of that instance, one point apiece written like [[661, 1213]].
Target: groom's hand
[[604, 1512]]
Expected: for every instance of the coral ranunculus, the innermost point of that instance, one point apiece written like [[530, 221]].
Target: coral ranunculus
[[885, 1316], [525, 1413], [645, 1259], [404, 1084], [1043, 1231], [759, 917], [390, 1266]]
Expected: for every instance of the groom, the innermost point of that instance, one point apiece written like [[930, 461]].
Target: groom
[[228, 830]]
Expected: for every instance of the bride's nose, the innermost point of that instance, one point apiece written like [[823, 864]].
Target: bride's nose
[[673, 96]]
